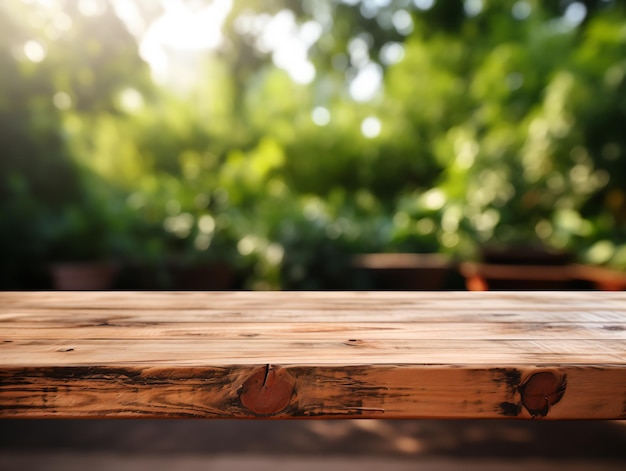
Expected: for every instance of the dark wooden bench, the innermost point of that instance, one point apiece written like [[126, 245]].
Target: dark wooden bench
[[552, 355]]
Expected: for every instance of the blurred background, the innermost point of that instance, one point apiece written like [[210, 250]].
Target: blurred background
[[339, 445], [313, 144]]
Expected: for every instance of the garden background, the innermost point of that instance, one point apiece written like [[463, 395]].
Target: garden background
[[277, 139]]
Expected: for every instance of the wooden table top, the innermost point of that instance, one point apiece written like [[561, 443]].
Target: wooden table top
[[554, 355]]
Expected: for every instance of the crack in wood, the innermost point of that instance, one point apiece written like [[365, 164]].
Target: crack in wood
[[267, 373]]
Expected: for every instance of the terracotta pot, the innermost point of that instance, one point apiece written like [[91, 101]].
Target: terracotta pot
[[83, 276]]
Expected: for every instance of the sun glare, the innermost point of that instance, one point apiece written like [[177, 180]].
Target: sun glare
[[182, 28]]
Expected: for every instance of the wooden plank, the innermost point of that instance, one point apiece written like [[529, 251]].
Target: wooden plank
[[261, 315], [344, 355], [47, 353], [312, 391], [332, 300], [258, 307], [66, 328]]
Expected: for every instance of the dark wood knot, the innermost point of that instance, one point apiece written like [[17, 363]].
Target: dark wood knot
[[541, 391], [268, 391]]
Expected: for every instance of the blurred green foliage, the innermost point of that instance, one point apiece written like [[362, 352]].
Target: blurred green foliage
[[496, 123]]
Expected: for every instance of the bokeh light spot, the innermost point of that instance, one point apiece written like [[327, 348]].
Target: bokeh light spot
[[371, 127]]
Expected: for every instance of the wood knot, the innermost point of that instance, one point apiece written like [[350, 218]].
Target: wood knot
[[268, 391], [541, 391]]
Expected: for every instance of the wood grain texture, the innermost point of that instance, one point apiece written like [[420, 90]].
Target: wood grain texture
[[552, 355]]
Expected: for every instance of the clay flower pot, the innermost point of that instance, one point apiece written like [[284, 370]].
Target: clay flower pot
[[83, 276]]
